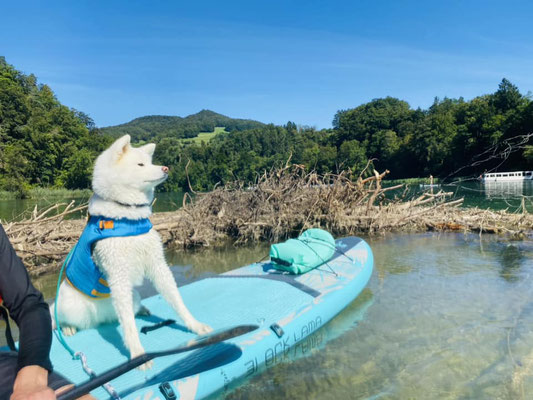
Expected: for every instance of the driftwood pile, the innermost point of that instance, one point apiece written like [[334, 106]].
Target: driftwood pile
[[281, 204], [45, 238]]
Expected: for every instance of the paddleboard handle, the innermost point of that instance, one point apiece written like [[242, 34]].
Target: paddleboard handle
[[278, 330], [167, 391], [149, 328]]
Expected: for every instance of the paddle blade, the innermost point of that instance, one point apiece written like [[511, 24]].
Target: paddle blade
[[217, 336], [196, 343]]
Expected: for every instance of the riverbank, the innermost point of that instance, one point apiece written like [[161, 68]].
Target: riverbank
[[282, 204], [40, 193]]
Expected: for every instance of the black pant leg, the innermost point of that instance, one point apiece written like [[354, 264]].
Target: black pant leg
[[8, 373]]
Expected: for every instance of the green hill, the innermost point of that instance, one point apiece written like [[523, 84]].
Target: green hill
[[157, 127]]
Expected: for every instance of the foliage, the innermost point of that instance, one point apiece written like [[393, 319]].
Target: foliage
[[41, 139], [450, 136], [44, 143], [447, 137]]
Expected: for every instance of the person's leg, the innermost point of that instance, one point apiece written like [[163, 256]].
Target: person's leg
[[8, 372], [56, 381]]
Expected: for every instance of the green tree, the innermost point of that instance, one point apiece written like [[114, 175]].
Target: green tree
[[351, 155], [77, 171], [14, 164]]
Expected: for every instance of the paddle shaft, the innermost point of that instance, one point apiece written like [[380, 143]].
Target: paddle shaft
[[99, 380]]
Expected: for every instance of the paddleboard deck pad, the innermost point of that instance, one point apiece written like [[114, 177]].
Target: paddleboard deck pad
[[287, 308]]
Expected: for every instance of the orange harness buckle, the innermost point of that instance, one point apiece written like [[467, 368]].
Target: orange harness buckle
[[107, 224]]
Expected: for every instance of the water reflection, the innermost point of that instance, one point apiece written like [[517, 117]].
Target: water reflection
[[446, 322], [279, 379], [492, 195], [504, 190], [511, 259], [444, 316]]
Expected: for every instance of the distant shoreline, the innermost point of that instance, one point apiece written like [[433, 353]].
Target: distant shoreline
[[40, 192], [43, 192]]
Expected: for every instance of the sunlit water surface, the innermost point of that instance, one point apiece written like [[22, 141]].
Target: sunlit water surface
[[447, 316], [444, 316]]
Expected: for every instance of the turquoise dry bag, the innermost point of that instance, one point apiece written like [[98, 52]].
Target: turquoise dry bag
[[313, 248]]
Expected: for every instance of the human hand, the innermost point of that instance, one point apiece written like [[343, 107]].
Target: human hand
[[31, 383], [36, 393]]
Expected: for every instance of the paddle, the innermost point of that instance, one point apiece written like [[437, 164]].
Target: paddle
[[196, 343]]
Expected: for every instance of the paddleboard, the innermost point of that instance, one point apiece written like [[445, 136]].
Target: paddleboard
[[287, 308]]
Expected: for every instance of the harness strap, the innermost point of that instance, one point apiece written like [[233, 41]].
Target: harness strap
[[9, 336], [131, 205], [78, 355]]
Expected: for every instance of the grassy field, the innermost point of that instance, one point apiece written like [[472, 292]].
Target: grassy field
[[205, 136], [410, 181], [45, 193]]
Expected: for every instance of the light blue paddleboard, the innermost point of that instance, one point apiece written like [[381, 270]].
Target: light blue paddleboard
[[287, 308]]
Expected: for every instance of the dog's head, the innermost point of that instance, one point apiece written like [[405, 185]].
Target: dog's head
[[126, 174]]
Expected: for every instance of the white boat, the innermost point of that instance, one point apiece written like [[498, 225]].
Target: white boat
[[514, 176]]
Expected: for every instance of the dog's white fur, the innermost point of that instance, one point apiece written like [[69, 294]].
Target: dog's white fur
[[123, 182]]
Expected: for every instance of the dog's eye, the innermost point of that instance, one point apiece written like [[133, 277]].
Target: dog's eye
[[140, 164]]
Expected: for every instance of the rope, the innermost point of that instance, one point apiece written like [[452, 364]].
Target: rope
[[109, 389], [58, 332], [333, 247], [343, 253], [76, 355], [323, 261], [262, 259], [318, 255]]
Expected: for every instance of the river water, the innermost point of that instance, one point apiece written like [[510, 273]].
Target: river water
[[444, 316], [447, 316], [16, 209], [497, 196]]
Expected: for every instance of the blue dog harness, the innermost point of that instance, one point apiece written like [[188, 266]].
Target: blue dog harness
[[82, 272]]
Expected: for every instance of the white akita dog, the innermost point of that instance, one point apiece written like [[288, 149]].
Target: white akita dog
[[123, 182]]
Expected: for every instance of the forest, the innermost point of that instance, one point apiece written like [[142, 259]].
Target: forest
[[44, 143]]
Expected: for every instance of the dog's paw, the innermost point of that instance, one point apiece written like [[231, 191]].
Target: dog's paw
[[147, 365], [200, 328], [143, 311], [69, 330]]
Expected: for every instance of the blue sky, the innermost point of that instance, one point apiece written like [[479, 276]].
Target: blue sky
[[272, 61]]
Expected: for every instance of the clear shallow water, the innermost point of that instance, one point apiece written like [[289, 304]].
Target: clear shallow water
[[447, 316], [450, 318]]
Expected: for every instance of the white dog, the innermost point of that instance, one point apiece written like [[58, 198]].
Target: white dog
[[123, 182]]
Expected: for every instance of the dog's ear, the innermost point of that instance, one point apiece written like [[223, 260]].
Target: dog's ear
[[148, 149], [120, 146]]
